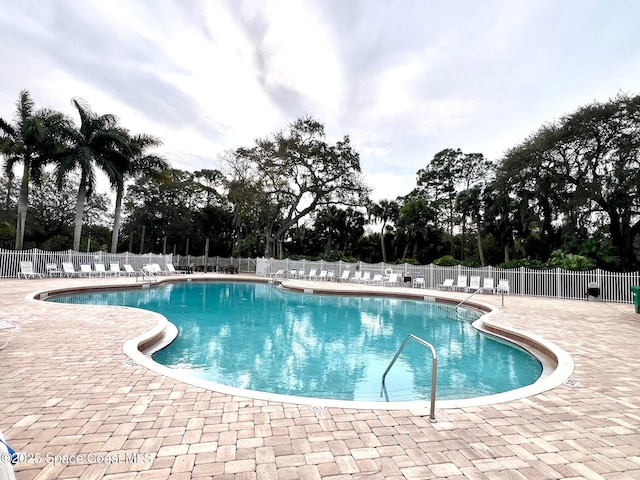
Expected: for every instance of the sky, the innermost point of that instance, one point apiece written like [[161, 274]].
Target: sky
[[403, 79]]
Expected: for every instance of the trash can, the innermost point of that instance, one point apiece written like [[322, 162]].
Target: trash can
[[407, 279], [636, 297], [593, 292]]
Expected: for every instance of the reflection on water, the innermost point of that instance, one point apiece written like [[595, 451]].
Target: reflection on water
[[260, 337]]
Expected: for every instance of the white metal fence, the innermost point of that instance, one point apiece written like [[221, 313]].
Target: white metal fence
[[10, 259], [558, 283]]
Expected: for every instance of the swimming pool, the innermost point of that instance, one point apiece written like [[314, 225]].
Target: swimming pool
[[260, 337]]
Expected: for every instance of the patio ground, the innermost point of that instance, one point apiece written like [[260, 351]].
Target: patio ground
[[77, 407]]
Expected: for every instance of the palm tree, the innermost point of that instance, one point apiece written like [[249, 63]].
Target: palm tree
[[34, 139], [99, 142], [139, 164], [384, 211]]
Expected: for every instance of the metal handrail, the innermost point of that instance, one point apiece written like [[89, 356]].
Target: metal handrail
[[434, 370], [145, 276], [474, 292]]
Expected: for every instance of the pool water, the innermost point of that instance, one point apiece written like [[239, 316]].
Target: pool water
[[260, 337]]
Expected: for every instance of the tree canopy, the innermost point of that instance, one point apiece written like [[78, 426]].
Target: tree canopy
[[566, 196]]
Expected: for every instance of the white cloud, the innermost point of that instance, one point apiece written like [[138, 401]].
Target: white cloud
[[403, 79]]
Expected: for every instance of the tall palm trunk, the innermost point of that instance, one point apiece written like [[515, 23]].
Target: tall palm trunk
[[117, 218], [382, 246], [77, 231], [23, 203]]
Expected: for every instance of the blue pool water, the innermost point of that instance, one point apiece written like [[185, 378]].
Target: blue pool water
[[260, 337]]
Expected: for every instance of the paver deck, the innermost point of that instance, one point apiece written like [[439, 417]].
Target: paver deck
[[77, 407]]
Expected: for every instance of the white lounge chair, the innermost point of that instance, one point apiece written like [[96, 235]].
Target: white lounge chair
[[487, 286], [366, 277], [503, 286], [462, 283], [114, 269], [99, 269], [292, 273], [312, 275], [357, 276], [392, 280], [446, 285], [129, 271], [9, 326], [158, 270], [26, 271], [53, 270], [419, 282], [69, 270], [474, 284], [345, 276], [331, 275], [86, 270], [323, 275], [377, 279], [171, 270], [300, 273], [149, 269]]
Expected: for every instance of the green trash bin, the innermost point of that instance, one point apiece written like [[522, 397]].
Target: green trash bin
[[636, 297]]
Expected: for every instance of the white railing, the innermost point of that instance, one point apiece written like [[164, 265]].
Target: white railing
[[558, 283], [10, 259]]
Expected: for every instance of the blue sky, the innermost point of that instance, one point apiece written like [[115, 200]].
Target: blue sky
[[404, 79]]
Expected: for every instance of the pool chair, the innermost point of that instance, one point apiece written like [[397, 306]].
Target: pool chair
[[419, 282], [357, 276], [300, 274], [312, 275], [392, 280], [446, 285], [149, 269], [11, 329], [474, 284], [503, 286], [114, 269], [26, 271], [462, 283], [99, 269], [345, 276], [366, 277], [171, 270], [129, 271], [292, 273], [9, 457], [53, 270], [68, 270], [86, 270], [377, 279], [331, 275], [487, 286], [323, 275], [158, 270]]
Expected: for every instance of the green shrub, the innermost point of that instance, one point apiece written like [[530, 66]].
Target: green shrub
[[446, 261], [569, 261]]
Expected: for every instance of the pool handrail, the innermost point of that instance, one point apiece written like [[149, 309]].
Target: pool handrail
[[434, 371]]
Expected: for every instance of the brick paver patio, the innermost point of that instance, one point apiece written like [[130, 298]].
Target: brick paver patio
[[77, 407]]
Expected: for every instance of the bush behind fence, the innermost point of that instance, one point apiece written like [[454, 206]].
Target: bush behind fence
[[558, 283]]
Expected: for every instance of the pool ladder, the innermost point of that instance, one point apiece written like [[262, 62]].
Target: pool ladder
[[434, 371], [458, 314], [145, 276]]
